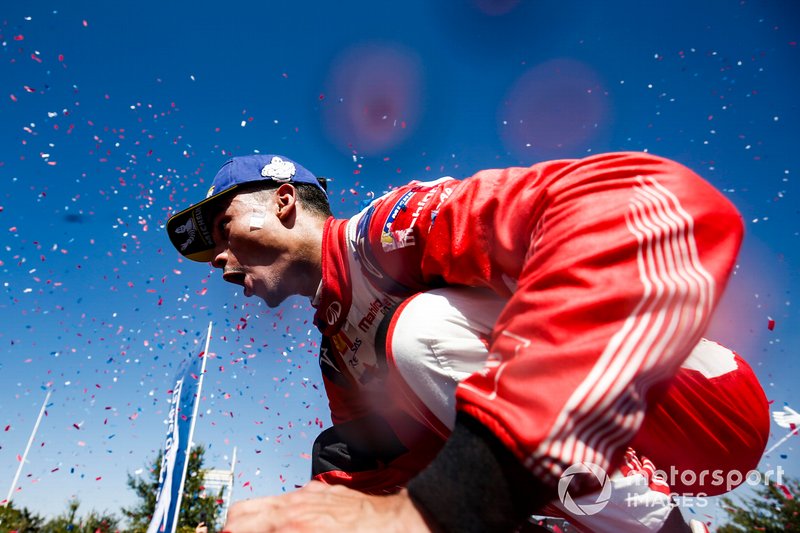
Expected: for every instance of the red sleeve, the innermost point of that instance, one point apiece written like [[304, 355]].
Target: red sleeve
[[376, 453], [613, 265], [379, 477], [392, 236]]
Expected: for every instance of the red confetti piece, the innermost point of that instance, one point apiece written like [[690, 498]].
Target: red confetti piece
[[771, 325], [785, 490]]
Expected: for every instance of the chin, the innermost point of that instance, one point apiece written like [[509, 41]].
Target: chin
[[273, 301]]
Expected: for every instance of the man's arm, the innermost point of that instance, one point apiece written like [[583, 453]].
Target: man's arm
[[614, 265], [367, 455], [363, 450], [476, 484]]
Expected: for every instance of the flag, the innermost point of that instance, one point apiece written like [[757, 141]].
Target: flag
[[788, 418], [177, 445]]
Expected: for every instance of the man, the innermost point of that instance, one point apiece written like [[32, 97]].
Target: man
[[608, 269]]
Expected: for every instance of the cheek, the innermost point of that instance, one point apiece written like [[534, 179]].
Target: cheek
[[243, 243], [251, 251]]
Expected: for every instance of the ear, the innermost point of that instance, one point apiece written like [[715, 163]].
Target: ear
[[286, 201]]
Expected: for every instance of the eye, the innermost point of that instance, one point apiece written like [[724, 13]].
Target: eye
[[222, 227]]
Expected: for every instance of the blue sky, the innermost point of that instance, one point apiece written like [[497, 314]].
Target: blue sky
[[114, 115]]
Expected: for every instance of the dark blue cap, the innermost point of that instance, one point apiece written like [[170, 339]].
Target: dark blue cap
[[190, 230]]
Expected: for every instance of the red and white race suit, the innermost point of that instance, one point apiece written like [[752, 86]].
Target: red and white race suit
[[701, 438], [609, 268]]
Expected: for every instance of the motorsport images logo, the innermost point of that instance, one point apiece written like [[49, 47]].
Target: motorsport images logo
[[602, 497]]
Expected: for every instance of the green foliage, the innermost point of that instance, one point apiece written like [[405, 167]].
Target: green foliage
[[194, 506], [146, 489], [70, 522], [102, 523], [771, 511], [21, 520]]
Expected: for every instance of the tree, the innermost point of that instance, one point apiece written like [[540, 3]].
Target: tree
[[21, 520], [774, 509], [99, 523], [92, 523], [196, 505]]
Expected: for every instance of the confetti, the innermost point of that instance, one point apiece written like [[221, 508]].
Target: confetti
[[97, 306]]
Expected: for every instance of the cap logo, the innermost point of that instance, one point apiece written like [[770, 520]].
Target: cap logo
[[279, 170], [187, 228], [210, 192]]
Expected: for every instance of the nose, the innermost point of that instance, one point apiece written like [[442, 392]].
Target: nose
[[220, 260]]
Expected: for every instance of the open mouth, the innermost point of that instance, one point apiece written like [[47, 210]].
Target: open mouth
[[236, 277]]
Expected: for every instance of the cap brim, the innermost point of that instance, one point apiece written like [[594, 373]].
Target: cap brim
[[191, 230]]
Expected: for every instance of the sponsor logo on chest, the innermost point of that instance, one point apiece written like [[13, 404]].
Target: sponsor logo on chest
[[333, 312], [378, 308]]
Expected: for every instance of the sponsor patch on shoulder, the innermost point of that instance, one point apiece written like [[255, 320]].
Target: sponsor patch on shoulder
[[392, 240]]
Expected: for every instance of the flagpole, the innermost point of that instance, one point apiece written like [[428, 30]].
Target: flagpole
[[784, 439], [27, 449], [191, 428], [230, 488]]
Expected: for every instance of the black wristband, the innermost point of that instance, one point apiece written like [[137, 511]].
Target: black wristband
[[475, 484]]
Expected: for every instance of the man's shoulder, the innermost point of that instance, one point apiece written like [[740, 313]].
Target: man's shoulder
[[415, 186]]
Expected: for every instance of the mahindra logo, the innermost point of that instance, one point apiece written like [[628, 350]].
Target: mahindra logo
[[333, 312]]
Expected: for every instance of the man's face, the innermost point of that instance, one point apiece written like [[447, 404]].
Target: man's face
[[255, 249]]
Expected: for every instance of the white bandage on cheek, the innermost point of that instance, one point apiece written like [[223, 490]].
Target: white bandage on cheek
[[257, 220]]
